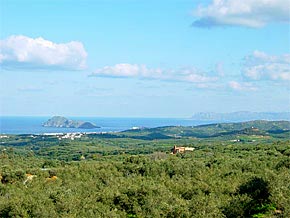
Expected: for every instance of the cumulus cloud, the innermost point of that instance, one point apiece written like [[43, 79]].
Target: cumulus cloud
[[142, 71], [239, 86], [250, 13], [24, 52], [261, 66]]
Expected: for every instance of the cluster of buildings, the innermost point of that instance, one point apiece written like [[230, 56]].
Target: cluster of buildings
[[71, 136], [176, 150], [4, 136]]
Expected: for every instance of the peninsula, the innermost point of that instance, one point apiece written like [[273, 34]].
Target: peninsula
[[62, 122]]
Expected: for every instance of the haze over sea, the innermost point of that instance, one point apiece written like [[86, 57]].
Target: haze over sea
[[33, 125]]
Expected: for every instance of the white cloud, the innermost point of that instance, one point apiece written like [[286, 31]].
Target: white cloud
[[127, 70], [250, 13], [142, 71], [24, 52], [196, 78], [238, 86], [261, 66]]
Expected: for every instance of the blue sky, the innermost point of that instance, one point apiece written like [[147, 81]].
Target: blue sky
[[135, 58]]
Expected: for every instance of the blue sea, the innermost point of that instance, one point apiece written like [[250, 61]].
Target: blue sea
[[33, 125]]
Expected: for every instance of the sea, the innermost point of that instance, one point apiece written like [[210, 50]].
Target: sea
[[33, 125]]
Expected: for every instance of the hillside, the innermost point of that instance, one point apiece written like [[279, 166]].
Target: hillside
[[258, 127], [134, 174]]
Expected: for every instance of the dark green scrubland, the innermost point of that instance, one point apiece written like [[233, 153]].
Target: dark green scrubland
[[236, 170]]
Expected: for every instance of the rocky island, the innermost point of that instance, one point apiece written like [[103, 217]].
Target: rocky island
[[62, 122]]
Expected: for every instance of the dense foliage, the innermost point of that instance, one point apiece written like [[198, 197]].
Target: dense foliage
[[126, 177]]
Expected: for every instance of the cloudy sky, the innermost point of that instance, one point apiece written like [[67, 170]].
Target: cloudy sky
[[143, 58]]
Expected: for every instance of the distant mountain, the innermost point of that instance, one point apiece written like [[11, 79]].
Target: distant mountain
[[241, 116], [62, 122]]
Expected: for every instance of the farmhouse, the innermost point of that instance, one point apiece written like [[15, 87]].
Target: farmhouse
[[176, 149]]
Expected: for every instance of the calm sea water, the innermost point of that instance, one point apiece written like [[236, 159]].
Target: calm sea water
[[33, 125]]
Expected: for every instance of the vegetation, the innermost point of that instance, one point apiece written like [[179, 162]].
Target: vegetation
[[122, 175]]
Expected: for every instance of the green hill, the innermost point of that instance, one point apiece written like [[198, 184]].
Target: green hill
[[257, 127]]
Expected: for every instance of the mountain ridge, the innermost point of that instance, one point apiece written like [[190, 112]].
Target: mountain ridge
[[241, 116]]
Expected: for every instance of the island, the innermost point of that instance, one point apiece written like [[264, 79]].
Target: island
[[62, 122]]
